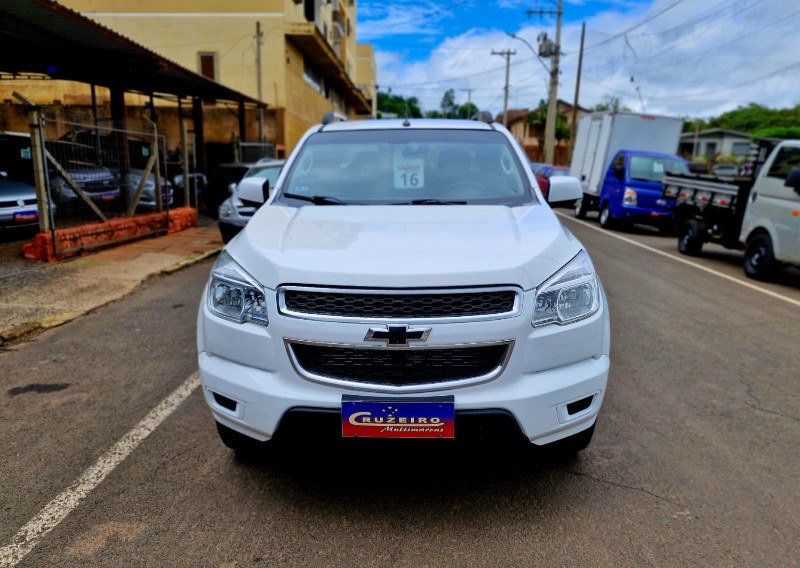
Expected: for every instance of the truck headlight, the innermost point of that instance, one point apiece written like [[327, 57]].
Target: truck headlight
[[629, 197], [233, 294], [570, 294]]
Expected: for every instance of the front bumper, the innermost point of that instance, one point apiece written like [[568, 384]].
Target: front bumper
[[549, 368]]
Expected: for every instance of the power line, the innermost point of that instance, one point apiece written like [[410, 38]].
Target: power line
[[639, 25]]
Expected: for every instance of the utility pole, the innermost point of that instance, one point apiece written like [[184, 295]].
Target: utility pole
[[574, 129], [469, 95], [259, 39], [507, 54], [552, 95]]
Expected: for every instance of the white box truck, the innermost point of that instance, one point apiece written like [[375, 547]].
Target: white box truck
[[624, 140]]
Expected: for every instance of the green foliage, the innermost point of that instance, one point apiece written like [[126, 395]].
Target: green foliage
[[433, 114], [757, 120], [467, 110], [785, 132], [537, 118], [611, 103], [398, 105], [726, 159], [448, 106]]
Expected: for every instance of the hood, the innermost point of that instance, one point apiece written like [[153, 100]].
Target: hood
[[12, 190], [403, 246]]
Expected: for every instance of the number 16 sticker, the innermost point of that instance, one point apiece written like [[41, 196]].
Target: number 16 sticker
[[409, 173]]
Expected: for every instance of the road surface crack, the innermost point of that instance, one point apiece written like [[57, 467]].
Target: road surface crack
[[622, 486]]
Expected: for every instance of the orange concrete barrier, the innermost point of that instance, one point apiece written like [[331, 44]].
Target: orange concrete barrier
[[74, 241]]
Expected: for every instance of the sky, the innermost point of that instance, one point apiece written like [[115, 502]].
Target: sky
[[690, 58]]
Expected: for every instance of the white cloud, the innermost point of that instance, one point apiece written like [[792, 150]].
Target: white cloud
[[695, 59], [399, 18]]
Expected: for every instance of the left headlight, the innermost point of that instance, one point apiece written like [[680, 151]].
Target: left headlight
[[571, 294], [233, 294]]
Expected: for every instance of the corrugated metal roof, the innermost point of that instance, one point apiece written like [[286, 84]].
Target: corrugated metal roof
[[42, 36]]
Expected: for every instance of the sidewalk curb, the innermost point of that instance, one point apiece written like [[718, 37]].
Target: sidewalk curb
[[190, 261], [54, 320]]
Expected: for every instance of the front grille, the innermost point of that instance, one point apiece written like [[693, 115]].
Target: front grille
[[14, 203], [399, 367], [406, 306]]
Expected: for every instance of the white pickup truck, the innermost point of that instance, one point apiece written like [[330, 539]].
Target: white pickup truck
[[404, 279], [761, 215]]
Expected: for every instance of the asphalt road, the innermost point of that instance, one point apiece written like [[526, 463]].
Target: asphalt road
[[694, 461]]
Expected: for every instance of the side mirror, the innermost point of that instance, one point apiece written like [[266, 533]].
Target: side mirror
[[564, 189], [252, 189], [793, 179], [231, 187], [4, 174], [618, 173]]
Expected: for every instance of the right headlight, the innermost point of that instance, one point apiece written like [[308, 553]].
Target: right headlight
[[571, 294], [233, 294]]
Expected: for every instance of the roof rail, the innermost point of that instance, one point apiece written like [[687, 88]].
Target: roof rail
[[331, 117]]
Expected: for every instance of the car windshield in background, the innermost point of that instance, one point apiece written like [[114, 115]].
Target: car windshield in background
[[419, 166], [270, 173], [649, 168]]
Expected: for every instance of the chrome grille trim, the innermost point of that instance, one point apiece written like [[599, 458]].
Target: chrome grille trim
[[285, 310], [376, 387]]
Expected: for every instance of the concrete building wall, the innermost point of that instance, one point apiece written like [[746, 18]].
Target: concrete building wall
[[181, 30]]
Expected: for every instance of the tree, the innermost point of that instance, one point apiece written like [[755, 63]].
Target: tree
[[611, 103], [398, 105], [448, 105], [537, 118], [467, 110]]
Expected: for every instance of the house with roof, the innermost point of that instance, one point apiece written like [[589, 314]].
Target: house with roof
[[714, 141]]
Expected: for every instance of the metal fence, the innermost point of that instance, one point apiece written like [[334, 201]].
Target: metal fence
[[94, 172]]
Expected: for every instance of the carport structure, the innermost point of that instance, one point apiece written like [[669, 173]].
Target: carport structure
[[41, 38]]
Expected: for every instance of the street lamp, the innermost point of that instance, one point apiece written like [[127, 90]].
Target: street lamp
[[535, 53]]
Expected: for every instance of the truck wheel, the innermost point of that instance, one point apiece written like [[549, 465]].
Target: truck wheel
[[690, 240], [246, 448], [606, 220], [759, 258], [581, 209]]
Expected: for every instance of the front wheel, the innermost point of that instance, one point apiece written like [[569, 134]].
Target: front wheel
[[581, 208], [606, 220], [246, 448], [759, 258], [690, 240], [573, 444]]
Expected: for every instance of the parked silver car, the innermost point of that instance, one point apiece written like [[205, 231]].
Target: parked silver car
[[235, 213], [17, 203]]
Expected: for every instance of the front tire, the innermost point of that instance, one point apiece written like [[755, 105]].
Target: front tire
[[581, 208], [246, 448], [606, 220], [759, 258], [690, 239], [573, 444]]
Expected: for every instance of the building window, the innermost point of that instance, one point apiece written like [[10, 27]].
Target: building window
[[741, 148], [312, 76], [207, 65], [711, 149]]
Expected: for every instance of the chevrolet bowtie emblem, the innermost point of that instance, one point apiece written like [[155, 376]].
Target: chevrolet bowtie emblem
[[397, 335]]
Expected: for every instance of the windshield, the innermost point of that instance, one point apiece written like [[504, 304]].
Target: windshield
[[650, 168], [264, 172], [417, 166]]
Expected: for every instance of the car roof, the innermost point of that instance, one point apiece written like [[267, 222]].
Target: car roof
[[405, 124]]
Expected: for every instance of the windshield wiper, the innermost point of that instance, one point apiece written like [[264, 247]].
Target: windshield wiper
[[430, 202], [315, 199]]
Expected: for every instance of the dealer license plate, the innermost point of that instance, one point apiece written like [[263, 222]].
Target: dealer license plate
[[22, 216], [367, 417]]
